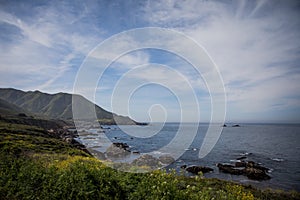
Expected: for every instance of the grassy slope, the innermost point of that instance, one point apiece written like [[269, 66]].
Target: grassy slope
[[35, 165], [57, 106], [7, 108]]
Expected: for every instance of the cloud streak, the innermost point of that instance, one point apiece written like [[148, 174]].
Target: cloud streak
[[255, 44], [46, 46]]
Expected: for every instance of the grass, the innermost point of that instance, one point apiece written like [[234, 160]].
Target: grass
[[21, 139], [34, 165]]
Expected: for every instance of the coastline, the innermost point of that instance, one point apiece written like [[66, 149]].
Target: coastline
[[41, 161], [276, 163]]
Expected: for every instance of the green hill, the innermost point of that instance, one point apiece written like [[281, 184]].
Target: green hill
[[7, 108], [56, 106]]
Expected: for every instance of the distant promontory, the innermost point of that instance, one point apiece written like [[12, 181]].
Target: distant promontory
[[54, 106]]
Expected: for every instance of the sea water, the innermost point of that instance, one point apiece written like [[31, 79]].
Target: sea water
[[275, 146]]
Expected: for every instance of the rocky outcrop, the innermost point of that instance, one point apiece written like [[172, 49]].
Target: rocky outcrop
[[183, 166], [147, 160], [225, 168], [242, 158], [118, 149], [250, 169], [121, 145], [236, 125], [97, 154], [166, 159], [197, 169], [256, 174]]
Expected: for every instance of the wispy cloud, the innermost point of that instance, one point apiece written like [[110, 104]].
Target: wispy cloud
[[48, 42], [254, 44]]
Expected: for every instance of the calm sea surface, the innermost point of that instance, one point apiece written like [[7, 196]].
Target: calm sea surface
[[274, 146]]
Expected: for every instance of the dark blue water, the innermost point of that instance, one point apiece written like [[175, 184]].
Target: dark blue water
[[274, 146]]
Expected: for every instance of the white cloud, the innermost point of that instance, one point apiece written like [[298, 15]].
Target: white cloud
[[128, 60], [47, 46], [255, 45]]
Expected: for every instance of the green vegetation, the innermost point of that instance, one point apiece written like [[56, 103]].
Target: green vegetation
[[54, 106], [7, 108], [19, 140], [35, 165]]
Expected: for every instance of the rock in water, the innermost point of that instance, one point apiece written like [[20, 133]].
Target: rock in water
[[230, 169], [241, 164], [121, 145], [166, 159], [242, 158], [250, 169], [236, 125], [197, 169], [256, 174], [183, 166]]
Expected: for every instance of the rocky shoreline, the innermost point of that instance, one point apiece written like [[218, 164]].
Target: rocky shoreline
[[250, 169], [241, 166], [47, 163]]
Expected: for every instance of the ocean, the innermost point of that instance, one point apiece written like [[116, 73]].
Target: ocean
[[275, 146]]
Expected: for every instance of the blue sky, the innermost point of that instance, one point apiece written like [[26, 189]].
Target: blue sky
[[255, 45]]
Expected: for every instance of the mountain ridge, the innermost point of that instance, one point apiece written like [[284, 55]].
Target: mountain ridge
[[57, 106]]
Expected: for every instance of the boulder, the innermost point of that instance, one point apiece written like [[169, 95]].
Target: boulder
[[146, 160], [117, 150], [68, 140], [240, 164], [242, 158], [236, 125], [166, 159], [197, 169], [256, 174], [251, 164], [183, 166], [250, 169], [22, 115], [230, 169], [121, 145], [97, 154]]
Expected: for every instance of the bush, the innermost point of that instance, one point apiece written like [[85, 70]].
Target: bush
[[77, 177]]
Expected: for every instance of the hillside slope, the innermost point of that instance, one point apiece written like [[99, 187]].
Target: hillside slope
[[57, 106], [7, 108]]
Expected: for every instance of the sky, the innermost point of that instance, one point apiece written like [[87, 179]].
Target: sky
[[254, 44]]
